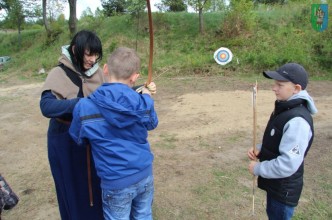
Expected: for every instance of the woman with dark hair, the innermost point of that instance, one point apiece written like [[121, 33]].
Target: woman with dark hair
[[76, 76]]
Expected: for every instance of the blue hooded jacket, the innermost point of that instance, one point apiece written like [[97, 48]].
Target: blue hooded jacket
[[115, 119]]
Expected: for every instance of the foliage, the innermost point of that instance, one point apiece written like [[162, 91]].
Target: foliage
[[99, 12], [32, 9], [53, 35], [16, 14], [239, 19], [87, 13], [173, 5], [54, 9], [198, 5], [19, 12], [4, 4], [90, 22], [113, 7], [270, 1], [136, 6], [267, 38], [285, 35], [219, 5], [118, 7], [321, 49]]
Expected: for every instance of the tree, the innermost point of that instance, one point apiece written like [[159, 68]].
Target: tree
[[4, 5], [15, 16], [219, 5], [200, 6], [174, 5], [99, 12], [87, 13], [72, 17], [134, 6], [31, 9], [46, 23], [270, 1], [52, 9], [113, 7], [18, 11], [239, 18]]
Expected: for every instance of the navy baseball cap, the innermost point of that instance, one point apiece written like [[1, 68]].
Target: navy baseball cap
[[291, 72]]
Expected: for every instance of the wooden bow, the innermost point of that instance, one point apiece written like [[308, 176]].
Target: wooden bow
[[151, 43]]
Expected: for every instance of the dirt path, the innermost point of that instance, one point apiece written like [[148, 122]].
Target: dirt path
[[200, 150]]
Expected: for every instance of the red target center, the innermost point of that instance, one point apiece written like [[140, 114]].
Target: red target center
[[222, 56]]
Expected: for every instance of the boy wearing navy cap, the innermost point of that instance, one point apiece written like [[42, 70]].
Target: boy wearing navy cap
[[287, 139]]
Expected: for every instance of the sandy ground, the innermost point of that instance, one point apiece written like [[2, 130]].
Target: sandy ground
[[205, 125]]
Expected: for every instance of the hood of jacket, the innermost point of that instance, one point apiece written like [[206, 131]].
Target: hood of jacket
[[65, 58], [305, 96], [120, 105]]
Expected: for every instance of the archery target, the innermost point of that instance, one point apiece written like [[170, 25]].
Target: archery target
[[223, 56]]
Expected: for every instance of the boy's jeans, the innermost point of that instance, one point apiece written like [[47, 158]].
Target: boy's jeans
[[133, 202], [278, 211]]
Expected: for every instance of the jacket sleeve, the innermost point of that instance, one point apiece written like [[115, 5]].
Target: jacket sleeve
[[152, 123], [51, 107], [294, 142], [76, 127]]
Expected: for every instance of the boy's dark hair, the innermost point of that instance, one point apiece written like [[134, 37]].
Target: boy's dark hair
[[84, 40]]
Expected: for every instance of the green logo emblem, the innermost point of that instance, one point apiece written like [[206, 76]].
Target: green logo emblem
[[319, 16]]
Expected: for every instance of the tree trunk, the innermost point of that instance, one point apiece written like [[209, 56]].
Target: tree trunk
[[200, 16], [72, 17], [46, 24], [19, 33]]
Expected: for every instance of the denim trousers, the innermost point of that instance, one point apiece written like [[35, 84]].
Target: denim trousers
[[133, 202], [278, 211]]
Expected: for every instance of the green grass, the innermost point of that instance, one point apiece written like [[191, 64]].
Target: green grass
[[316, 211], [167, 141], [272, 37]]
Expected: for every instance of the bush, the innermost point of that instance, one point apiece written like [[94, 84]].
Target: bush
[[239, 19]]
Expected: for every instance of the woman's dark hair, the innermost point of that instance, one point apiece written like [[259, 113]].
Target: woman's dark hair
[[84, 40]]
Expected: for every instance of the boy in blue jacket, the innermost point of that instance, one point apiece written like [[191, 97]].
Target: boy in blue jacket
[[115, 119], [286, 141]]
